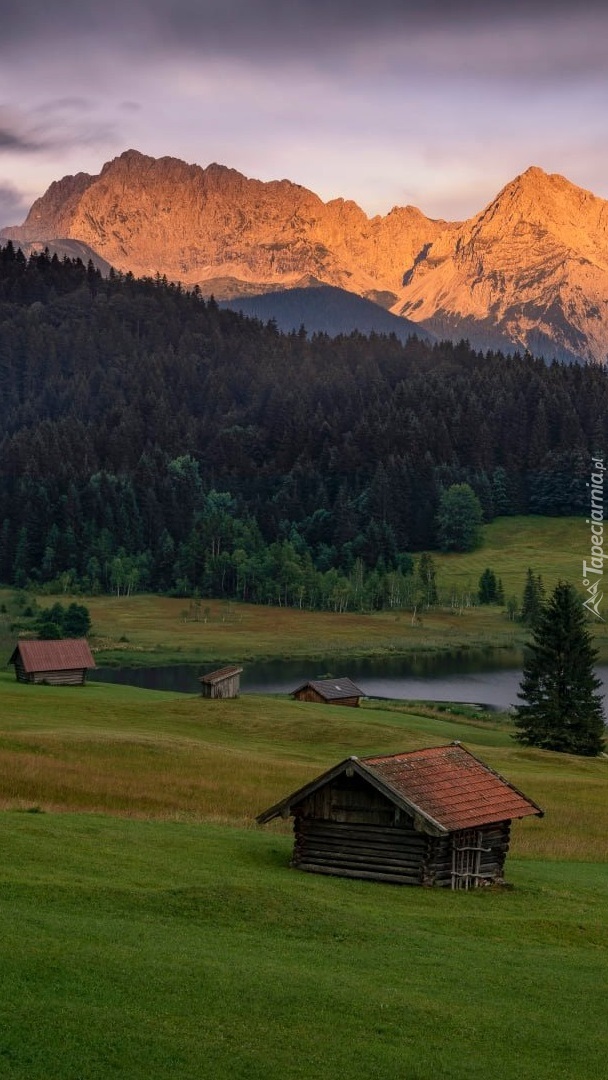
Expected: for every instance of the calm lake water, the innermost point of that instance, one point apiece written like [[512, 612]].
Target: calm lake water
[[489, 678]]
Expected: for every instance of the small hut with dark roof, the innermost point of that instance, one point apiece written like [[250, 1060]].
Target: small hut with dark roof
[[427, 817], [223, 683], [63, 662], [329, 692]]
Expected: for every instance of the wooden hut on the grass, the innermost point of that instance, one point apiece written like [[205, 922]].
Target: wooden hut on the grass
[[425, 817], [223, 683], [329, 692], [63, 662]]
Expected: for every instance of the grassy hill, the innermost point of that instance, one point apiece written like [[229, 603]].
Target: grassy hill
[[153, 931]]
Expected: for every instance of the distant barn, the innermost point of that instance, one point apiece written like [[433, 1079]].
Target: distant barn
[[64, 662], [329, 692], [223, 683], [427, 817]]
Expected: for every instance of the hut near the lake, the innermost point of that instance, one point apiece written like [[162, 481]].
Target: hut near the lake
[[223, 683], [425, 817], [329, 692], [61, 662]]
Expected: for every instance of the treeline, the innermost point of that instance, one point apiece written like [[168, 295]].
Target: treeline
[[150, 440]]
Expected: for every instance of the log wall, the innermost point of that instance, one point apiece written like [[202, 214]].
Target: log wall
[[72, 677], [309, 694], [493, 842], [359, 851], [349, 829]]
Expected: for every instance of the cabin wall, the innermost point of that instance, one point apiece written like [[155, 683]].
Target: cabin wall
[[309, 694], [350, 830], [20, 673], [469, 858], [73, 677], [227, 688]]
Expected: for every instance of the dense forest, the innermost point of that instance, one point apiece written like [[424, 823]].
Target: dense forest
[[151, 440]]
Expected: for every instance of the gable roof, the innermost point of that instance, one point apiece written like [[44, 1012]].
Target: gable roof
[[220, 674], [445, 788], [332, 689], [64, 654]]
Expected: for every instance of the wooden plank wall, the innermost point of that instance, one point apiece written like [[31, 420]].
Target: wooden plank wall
[[376, 852], [309, 694], [494, 843], [227, 688]]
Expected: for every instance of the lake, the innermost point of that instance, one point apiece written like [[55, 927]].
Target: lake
[[489, 678]]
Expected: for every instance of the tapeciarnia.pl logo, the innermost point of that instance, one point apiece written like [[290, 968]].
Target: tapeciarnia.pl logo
[[594, 569]]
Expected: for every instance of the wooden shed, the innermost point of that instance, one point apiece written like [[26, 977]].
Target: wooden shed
[[329, 692], [59, 663], [426, 817], [223, 683]]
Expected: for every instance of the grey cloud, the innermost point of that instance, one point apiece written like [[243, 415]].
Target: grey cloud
[[65, 104], [12, 141], [13, 205], [263, 25], [53, 127]]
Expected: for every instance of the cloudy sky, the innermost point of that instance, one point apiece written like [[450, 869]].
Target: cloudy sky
[[387, 102]]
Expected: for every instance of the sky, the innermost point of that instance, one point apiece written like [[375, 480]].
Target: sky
[[387, 102]]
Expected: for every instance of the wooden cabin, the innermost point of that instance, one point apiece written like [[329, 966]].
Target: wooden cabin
[[426, 817], [223, 683], [64, 662], [329, 692]]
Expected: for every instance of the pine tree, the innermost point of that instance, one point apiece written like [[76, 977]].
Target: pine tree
[[562, 709], [532, 599], [487, 590], [459, 519]]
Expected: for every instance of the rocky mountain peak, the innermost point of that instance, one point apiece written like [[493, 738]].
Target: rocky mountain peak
[[530, 270], [215, 227]]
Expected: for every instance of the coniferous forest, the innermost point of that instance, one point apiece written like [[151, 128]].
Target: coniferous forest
[[150, 440]]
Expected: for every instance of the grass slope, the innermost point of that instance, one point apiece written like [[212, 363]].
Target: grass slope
[[149, 930], [120, 750], [170, 950]]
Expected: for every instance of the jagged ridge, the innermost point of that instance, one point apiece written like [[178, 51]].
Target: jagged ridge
[[530, 270]]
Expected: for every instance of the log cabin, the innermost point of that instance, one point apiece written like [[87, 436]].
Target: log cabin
[[438, 816], [64, 662], [223, 683], [329, 692]]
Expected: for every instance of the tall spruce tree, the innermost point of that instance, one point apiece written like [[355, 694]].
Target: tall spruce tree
[[533, 597], [459, 519], [562, 709]]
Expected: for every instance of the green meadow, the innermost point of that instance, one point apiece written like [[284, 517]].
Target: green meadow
[[149, 929]]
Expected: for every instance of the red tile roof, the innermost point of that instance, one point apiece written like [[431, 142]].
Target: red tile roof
[[62, 655], [449, 785]]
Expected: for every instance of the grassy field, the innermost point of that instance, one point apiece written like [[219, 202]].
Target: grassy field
[[149, 930], [142, 754], [145, 951], [153, 931], [552, 547]]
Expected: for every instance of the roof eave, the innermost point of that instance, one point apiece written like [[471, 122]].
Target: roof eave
[[283, 808]]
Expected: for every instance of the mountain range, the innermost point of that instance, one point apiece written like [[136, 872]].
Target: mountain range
[[530, 271]]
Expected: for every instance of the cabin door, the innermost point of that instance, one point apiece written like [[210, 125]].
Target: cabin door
[[466, 859]]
